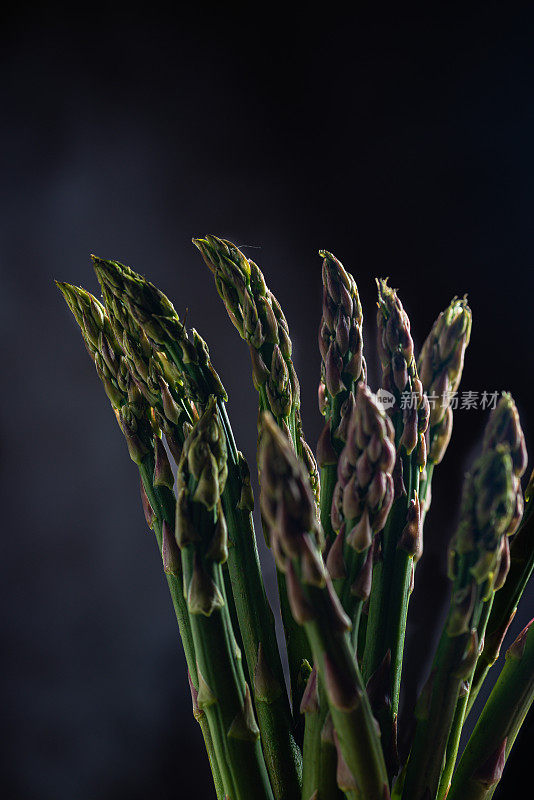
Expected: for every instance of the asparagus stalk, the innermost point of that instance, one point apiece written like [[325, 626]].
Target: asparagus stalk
[[320, 757], [503, 428], [345, 779], [288, 505], [342, 368], [309, 706], [153, 314], [440, 369], [158, 502], [362, 501], [259, 320], [488, 507], [482, 763], [200, 715], [201, 535], [401, 540], [453, 742], [507, 600]]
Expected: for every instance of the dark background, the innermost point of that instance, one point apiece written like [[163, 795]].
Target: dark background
[[400, 141]]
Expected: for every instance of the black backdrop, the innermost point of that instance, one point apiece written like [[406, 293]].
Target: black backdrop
[[400, 141]]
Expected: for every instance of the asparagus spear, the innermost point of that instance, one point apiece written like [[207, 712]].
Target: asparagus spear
[[201, 535], [401, 539], [288, 505], [362, 500], [483, 761], [131, 410], [488, 508], [507, 600], [440, 369], [149, 311], [320, 756], [260, 321], [342, 368], [258, 318], [503, 428]]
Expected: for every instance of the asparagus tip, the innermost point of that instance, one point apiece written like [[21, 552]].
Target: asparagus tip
[[517, 648], [244, 725], [490, 772], [266, 687], [310, 698]]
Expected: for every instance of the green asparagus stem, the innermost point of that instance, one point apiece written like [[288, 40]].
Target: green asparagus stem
[[288, 505], [309, 706], [400, 543], [201, 535], [319, 779], [453, 742], [362, 500], [440, 369], [342, 367], [172, 567], [151, 313], [202, 720], [488, 507], [345, 779], [482, 763], [259, 320], [504, 429], [157, 498], [507, 600]]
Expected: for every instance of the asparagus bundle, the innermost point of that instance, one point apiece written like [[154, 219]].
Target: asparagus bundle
[[148, 312], [345, 545]]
